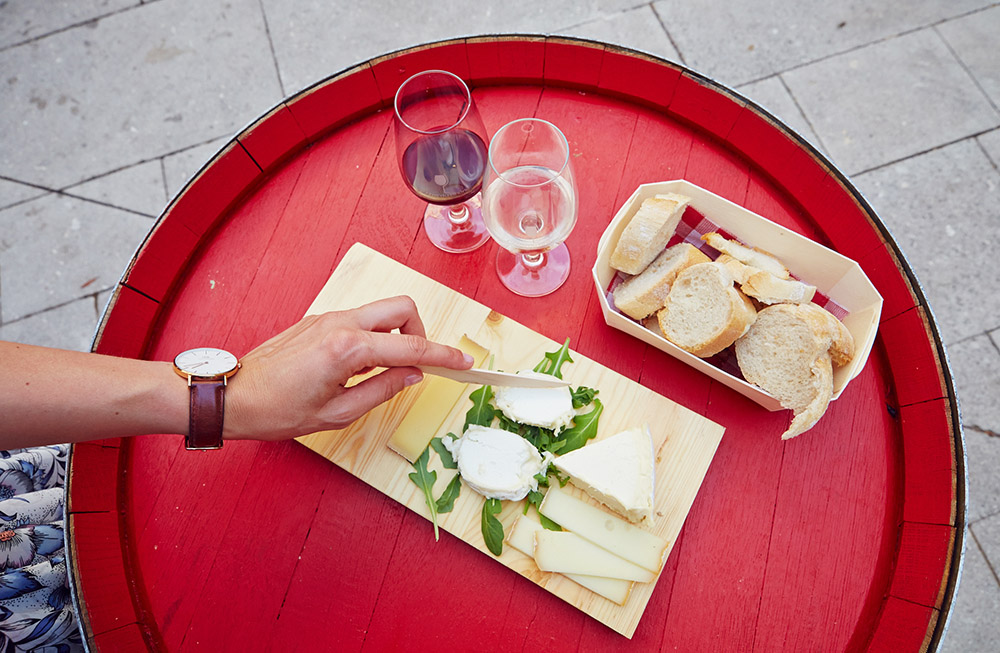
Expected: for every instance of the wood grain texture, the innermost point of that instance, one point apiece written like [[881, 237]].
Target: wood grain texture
[[684, 442]]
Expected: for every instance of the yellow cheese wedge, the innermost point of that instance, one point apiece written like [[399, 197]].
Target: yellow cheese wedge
[[436, 400], [607, 531], [568, 553], [522, 538]]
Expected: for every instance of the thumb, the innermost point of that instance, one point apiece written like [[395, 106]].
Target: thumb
[[361, 398]]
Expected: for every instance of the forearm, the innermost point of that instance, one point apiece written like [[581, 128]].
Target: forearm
[[51, 395]]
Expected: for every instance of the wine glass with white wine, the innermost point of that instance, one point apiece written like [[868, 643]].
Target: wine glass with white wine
[[530, 205]]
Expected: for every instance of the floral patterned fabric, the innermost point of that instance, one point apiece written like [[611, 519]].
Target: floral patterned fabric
[[36, 613]]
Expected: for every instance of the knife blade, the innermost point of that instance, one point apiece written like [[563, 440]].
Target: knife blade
[[490, 377]]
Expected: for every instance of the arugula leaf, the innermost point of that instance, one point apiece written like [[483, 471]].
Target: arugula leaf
[[492, 528], [446, 501], [446, 458], [535, 499], [481, 413], [424, 479], [554, 360], [582, 396], [584, 428]]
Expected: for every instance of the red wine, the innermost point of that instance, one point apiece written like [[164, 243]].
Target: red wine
[[445, 168]]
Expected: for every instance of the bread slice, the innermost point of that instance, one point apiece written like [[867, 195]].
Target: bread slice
[[648, 231], [704, 313], [789, 352], [740, 270], [769, 289], [645, 293], [751, 256]]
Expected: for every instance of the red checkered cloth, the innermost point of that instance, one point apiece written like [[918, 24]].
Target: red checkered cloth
[[692, 227]]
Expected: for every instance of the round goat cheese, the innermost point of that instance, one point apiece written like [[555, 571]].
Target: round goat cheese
[[548, 408], [497, 464]]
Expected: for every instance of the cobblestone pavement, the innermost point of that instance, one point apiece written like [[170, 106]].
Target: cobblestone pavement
[[108, 106]]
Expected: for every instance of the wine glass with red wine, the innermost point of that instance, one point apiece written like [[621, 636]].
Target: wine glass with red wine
[[441, 148]]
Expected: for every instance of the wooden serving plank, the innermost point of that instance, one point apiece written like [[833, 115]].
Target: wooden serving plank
[[684, 441]]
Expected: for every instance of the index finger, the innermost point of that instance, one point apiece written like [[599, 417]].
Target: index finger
[[405, 350], [384, 315]]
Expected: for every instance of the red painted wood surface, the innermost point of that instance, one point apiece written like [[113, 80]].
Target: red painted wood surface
[[846, 538]]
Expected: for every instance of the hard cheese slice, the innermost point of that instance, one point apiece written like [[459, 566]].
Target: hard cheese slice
[[603, 529], [568, 553], [522, 538], [437, 398], [617, 471]]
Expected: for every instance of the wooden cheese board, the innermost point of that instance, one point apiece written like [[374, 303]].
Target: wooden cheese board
[[684, 442]]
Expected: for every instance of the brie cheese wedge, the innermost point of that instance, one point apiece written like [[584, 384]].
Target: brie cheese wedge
[[497, 464], [617, 471], [548, 408]]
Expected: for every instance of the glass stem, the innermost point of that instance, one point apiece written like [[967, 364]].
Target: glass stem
[[458, 214], [533, 260]]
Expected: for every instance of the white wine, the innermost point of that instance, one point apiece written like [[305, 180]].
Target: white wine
[[529, 209]]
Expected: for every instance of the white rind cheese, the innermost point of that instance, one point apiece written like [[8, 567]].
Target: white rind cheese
[[617, 471], [497, 464], [548, 408]]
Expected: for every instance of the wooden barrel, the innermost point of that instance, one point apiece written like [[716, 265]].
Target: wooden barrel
[[847, 538]]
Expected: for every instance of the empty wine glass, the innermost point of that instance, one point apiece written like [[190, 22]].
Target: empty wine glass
[[530, 207], [441, 149]]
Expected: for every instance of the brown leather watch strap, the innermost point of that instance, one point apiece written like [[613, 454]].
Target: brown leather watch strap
[[208, 409]]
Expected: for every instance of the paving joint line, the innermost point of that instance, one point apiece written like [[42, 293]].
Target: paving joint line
[[663, 26], [989, 563]]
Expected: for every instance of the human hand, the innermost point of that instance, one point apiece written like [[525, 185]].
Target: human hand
[[294, 383]]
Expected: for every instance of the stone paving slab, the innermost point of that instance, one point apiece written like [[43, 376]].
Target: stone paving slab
[[55, 249], [637, 28], [315, 39], [137, 188], [990, 142], [941, 209], [70, 326], [890, 100], [135, 85], [975, 363], [983, 452], [752, 39], [974, 40], [974, 626], [12, 192], [23, 20]]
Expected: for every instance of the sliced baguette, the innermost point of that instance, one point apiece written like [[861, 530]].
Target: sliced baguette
[[645, 293], [751, 256], [648, 231], [789, 353], [704, 313], [740, 270], [769, 289]]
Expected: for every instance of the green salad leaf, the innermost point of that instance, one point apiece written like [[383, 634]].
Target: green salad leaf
[[554, 360], [424, 479], [492, 528], [535, 499], [583, 396], [482, 412], [446, 501], [446, 458], [584, 428]]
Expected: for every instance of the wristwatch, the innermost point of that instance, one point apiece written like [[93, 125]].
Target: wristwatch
[[206, 370]]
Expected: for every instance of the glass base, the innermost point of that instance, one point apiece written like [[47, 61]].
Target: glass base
[[456, 234], [533, 281]]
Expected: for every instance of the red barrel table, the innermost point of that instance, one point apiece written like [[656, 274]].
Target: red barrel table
[[847, 538]]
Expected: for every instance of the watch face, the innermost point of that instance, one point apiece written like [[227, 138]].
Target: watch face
[[206, 361]]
